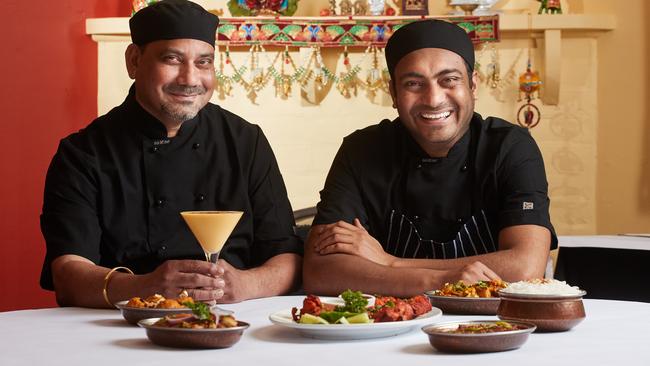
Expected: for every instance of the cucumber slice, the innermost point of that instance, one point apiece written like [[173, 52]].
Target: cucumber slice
[[361, 318], [312, 319], [342, 320]]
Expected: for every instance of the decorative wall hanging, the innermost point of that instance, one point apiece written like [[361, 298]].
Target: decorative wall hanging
[[262, 7], [278, 68], [490, 73], [528, 114], [336, 32]]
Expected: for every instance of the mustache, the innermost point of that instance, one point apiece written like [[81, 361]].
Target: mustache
[[185, 89], [433, 109]]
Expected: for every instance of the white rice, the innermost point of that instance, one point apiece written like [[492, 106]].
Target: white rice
[[542, 287]]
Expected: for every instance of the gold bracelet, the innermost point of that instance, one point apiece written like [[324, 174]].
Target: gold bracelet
[[108, 277]]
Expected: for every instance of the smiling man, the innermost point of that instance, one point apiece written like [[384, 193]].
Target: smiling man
[[438, 194], [115, 190]]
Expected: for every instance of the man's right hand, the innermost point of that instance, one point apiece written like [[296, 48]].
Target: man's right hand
[[471, 273], [200, 279]]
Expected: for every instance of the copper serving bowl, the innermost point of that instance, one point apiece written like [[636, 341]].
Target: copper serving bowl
[[192, 338], [443, 340], [551, 313], [133, 315], [464, 305]]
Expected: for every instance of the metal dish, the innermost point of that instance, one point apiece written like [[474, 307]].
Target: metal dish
[[134, 315], [192, 338], [443, 341], [551, 313], [464, 305]]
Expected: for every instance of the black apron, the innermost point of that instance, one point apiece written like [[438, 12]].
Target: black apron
[[406, 236]]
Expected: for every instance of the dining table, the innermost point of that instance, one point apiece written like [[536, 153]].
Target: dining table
[[613, 333]]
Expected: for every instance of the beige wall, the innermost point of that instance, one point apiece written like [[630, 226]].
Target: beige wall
[[596, 174], [623, 180]]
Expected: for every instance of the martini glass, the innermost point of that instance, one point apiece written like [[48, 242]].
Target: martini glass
[[212, 229]]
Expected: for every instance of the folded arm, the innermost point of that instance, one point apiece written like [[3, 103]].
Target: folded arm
[[80, 282], [523, 250], [330, 274], [523, 253]]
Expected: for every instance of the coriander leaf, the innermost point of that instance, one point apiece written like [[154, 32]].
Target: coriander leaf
[[354, 302], [199, 309]]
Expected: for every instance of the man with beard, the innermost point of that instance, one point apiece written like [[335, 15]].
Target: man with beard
[[437, 195], [115, 190]]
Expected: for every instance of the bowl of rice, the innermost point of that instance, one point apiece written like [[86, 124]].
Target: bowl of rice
[[552, 305]]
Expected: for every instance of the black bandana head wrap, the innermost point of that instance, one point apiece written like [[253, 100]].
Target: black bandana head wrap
[[173, 19], [428, 34]]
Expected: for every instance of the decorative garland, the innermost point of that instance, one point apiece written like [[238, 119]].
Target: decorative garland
[[253, 77]]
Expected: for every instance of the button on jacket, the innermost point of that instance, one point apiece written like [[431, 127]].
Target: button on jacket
[[114, 191], [422, 207]]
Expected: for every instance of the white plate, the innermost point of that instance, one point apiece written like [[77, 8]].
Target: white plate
[[352, 331]]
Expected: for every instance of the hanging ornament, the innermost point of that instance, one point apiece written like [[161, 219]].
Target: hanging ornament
[[491, 73], [224, 84], [528, 114], [283, 83]]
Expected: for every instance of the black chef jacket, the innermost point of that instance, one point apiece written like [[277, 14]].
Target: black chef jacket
[[422, 207], [115, 189]]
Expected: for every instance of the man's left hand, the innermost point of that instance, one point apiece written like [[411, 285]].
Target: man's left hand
[[342, 237], [237, 284]]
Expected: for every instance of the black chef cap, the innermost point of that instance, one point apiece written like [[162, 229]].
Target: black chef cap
[[428, 34], [173, 19]]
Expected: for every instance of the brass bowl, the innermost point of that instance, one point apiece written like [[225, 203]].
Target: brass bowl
[[192, 338], [444, 341], [551, 313]]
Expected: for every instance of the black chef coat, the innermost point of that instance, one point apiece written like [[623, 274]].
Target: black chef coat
[[115, 189], [422, 207]]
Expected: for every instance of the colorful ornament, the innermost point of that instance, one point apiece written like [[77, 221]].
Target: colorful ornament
[[528, 114], [553, 6], [262, 7], [140, 4]]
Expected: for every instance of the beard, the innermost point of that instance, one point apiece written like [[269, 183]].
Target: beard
[[185, 110], [180, 112]]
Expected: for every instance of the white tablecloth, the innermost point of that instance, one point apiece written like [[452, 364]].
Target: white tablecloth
[[614, 333]]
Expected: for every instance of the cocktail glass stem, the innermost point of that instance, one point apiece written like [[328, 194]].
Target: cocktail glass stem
[[212, 257]]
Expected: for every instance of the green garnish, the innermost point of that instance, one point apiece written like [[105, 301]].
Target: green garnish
[[482, 284], [200, 309], [354, 302]]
